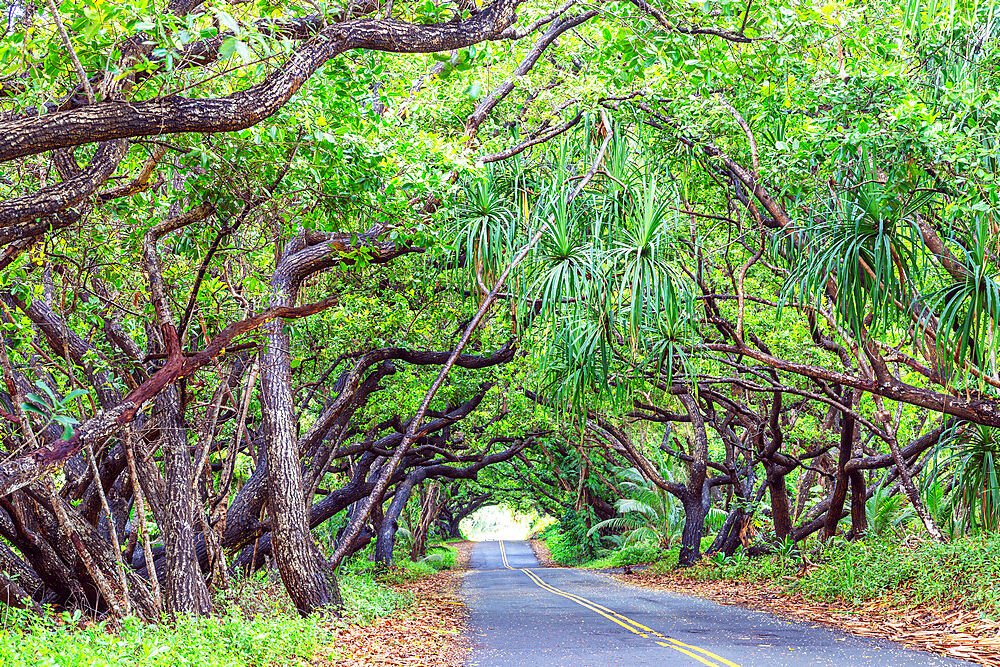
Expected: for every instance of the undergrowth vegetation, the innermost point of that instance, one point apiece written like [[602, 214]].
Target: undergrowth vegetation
[[632, 554], [963, 572], [257, 625], [566, 552], [568, 541]]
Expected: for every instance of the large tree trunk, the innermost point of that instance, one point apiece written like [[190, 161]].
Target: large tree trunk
[[859, 512], [730, 535], [728, 539], [696, 497], [454, 528], [836, 508], [780, 507], [695, 511], [184, 589], [429, 506], [385, 541], [304, 571]]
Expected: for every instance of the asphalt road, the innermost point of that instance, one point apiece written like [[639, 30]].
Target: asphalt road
[[522, 614]]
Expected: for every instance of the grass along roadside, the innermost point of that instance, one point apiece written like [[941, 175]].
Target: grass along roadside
[[256, 626], [542, 553]]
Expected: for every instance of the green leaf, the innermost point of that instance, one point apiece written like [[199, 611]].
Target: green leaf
[[227, 20], [474, 92], [44, 387], [35, 398], [228, 48], [27, 407], [243, 50]]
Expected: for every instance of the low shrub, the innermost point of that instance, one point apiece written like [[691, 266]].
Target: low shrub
[[440, 556], [366, 597], [568, 541], [633, 554], [30, 640], [562, 549], [964, 571], [256, 626]]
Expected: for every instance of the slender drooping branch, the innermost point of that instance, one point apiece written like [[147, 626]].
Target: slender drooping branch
[[80, 72]]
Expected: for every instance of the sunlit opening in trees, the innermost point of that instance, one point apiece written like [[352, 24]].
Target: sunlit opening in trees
[[499, 522]]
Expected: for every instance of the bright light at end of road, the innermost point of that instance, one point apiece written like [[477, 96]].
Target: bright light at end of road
[[500, 523]]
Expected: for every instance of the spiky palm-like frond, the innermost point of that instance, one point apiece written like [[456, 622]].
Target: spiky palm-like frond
[[487, 227], [640, 256], [647, 513], [968, 310], [562, 263], [577, 359], [864, 240], [884, 510], [977, 476]]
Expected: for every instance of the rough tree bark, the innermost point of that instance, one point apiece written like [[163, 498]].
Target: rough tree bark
[[430, 505], [386, 538], [696, 497], [305, 573], [184, 589], [847, 429]]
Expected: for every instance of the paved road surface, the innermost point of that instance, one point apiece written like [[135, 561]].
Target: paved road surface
[[526, 615]]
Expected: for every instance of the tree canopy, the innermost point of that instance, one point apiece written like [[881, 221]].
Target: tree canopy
[[725, 269]]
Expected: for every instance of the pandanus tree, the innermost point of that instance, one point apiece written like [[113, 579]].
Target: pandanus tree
[[783, 270], [976, 489]]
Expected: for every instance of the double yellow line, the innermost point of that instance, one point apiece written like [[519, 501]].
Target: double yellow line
[[706, 657]]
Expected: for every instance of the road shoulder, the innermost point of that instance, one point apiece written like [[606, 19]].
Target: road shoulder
[[541, 551], [955, 633], [431, 631]]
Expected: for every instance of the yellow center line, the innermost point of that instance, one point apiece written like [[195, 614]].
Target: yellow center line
[[724, 661], [624, 621]]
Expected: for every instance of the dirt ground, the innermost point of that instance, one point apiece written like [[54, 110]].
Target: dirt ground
[[431, 632]]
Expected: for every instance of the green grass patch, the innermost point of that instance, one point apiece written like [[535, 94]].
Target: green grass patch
[[29, 640], [256, 626], [964, 572], [366, 597], [440, 556]]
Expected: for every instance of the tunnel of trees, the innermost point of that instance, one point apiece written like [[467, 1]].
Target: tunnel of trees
[[281, 283]]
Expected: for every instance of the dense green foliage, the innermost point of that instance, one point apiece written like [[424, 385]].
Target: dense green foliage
[[570, 540], [963, 572], [30, 641], [724, 277]]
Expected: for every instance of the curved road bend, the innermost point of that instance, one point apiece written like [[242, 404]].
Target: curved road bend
[[522, 614]]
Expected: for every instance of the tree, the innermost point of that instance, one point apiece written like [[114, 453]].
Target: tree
[[646, 514]]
